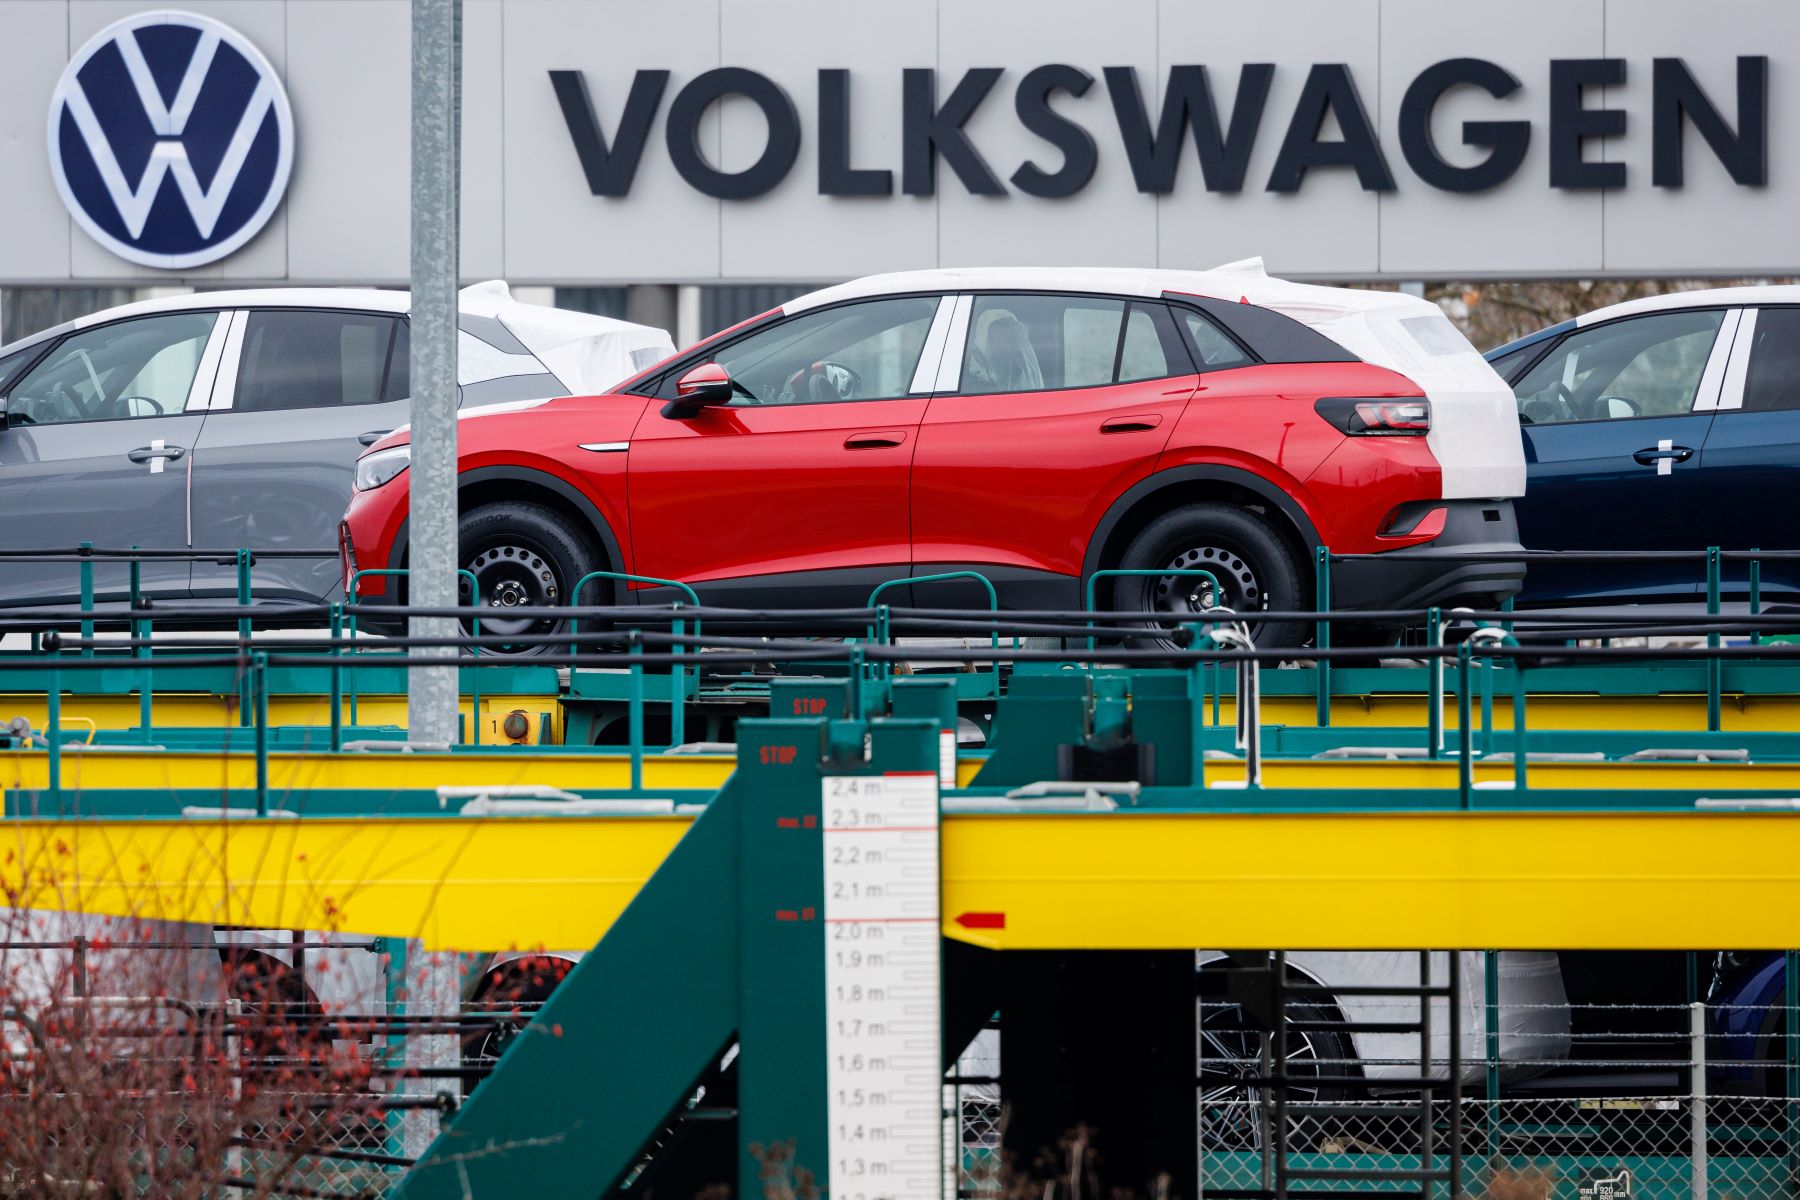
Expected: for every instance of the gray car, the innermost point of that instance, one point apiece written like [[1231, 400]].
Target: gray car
[[234, 419]]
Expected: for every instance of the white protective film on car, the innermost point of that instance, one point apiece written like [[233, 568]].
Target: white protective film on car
[[1474, 419], [478, 362], [589, 354]]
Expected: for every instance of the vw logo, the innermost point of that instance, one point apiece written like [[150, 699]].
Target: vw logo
[[170, 139]]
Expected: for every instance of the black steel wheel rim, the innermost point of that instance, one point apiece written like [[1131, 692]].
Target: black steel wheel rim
[[511, 573]]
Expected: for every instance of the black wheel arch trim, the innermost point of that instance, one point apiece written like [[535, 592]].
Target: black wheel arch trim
[[596, 523], [1197, 473]]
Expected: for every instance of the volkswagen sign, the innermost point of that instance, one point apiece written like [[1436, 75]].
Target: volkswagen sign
[[171, 139]]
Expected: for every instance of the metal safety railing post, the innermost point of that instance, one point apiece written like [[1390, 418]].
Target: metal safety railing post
[[243, 628], [1755, 593], [1484, 638], [1465, 766], [1197, 710], [634, 641], [1434, 701], [1697, 1149], [87, 599], [884, 621], [678, 672], [140, 633], [259, 689], [1790, 1000], [1129, 573], [356, 577], [1322, 633], [1490, 985], [53, 725], [1715, 667], [678, 681], [1521, 761], [857, 668], [337, 677]]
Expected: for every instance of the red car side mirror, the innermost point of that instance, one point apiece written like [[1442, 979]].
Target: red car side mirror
[[703, 387]]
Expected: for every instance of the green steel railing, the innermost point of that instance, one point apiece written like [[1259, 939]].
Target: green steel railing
[[882, 632], [356, 578], [677, 673]]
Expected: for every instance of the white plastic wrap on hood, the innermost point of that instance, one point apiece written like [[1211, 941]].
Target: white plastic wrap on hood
[[1474, 421], [589, 354]]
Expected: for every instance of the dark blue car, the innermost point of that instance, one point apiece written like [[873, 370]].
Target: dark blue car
[[1669, 423]]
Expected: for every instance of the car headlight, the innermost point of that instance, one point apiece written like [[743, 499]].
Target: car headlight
[[373, 470]]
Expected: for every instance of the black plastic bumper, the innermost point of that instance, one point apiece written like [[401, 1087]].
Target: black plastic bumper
[[1437, 572]]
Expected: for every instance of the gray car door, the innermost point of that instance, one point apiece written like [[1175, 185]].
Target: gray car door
[[302, 391], [97, 447]]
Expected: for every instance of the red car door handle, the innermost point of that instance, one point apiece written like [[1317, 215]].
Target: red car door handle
[[875, 440], [1136, 424]]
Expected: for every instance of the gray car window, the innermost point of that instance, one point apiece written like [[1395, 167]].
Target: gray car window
[[139, 368], [1646, 366], [295, 358], [10, 365], [863, 351], [1215, 351], [1773, 381]]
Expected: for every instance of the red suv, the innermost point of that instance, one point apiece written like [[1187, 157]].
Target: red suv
[[1033, 425]]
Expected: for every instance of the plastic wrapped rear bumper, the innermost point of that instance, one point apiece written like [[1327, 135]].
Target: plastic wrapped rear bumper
[[1433, 574]]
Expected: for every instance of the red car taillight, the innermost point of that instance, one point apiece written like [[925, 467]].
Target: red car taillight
[[1375, 417]]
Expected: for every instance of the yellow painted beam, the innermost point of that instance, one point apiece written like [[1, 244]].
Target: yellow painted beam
[[1527, 880], [297, 771], [1572, 711], [492, 884], [206, 710], [291, 771], [1673, 712], [1015, 881]]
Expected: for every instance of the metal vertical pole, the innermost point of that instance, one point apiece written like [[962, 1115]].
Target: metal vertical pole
[[431, 708], [1697, 1107], [1454, 1068], [1490, 990], [87, 599], [1790, 1012], [432, 701]]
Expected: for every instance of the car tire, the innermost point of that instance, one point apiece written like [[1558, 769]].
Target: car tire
[[1257, 570], [522, 555], [1229, 1057]]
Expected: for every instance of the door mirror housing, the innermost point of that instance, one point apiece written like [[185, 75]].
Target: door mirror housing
[[1621, 408], [706, 386]]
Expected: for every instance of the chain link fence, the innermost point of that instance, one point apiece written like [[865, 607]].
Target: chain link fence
[[1559, 1101], [1646, 1147]]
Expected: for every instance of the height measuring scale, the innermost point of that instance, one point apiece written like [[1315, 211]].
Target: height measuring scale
[[884, 1064]]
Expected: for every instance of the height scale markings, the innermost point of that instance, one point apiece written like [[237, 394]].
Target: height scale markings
[[884, 1067]]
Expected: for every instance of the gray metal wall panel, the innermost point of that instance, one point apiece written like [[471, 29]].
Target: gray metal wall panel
[[528, 216], [35, 229]]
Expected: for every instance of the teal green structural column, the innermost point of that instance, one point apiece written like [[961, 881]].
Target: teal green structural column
[[718, 948]]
